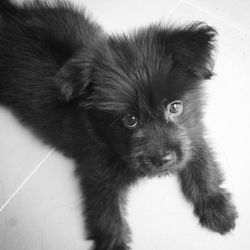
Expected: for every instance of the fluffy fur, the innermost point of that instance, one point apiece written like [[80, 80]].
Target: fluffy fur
[[72, 85]]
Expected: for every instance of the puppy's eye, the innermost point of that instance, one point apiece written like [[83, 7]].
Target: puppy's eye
[[175, 108], [130, 121]]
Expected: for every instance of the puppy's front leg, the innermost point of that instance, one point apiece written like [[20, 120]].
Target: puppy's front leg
[[105, 223], [200, 182]]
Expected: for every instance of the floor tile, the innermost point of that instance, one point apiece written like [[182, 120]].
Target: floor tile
[[20, 153], [118, 16], [235, 12], [46, 213]]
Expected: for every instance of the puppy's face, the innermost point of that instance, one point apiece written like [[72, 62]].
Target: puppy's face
[[144, 95]]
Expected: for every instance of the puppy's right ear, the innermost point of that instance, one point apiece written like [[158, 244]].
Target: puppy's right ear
[[73, 78], [191, 46]]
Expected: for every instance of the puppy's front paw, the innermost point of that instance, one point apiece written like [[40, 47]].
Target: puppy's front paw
[[217, 213]]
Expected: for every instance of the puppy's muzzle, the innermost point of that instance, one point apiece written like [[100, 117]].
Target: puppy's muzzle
[[168, 158]]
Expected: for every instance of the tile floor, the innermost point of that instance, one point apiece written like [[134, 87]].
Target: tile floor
[[39, 196]]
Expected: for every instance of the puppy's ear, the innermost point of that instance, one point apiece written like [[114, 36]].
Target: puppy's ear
[[74, 77], [195, 49], [192, 47]]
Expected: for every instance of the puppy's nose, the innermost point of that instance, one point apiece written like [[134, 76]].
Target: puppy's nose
[[166, 158], [169, 156]]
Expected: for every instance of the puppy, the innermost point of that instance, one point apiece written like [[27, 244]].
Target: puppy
[[123, 107]]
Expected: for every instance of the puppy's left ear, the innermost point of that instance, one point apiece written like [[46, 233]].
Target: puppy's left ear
[[192, 47], [73, 78]]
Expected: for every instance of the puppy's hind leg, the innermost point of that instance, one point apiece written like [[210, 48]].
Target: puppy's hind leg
[[200, 182]]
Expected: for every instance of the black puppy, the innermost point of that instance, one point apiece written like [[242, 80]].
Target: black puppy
[[123, 107]]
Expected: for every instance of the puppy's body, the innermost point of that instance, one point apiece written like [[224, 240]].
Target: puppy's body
[[110, 104]]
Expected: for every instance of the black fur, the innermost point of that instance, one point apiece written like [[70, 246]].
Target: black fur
[[72, 85]]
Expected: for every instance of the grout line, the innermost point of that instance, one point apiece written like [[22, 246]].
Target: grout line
[[167, 16], [27, 179], [228, 23], [175, 8]]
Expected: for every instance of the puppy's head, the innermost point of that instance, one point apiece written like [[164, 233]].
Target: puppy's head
[[142, 93]]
